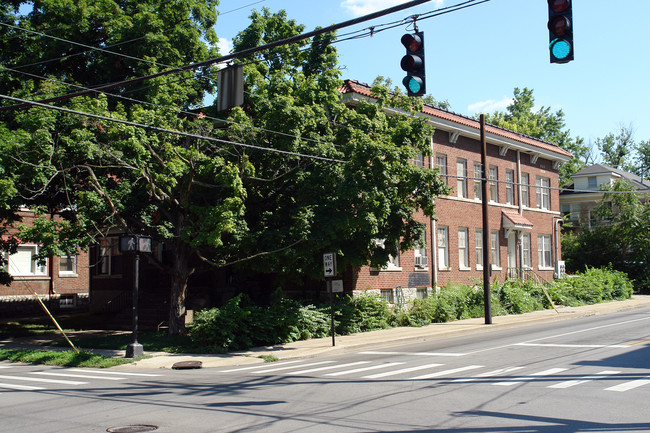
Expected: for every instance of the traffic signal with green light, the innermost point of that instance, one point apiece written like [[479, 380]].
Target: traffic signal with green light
[[413, 64], [560, 31]]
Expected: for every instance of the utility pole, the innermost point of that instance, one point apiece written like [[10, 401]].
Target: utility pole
[[487, 247]]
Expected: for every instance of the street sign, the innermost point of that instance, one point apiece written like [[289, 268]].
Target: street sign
[[337, 286], [329, 265]]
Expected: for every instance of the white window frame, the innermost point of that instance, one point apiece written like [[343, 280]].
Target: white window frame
[[441, 164], [461, 177], [418, 160], [544, 252], [443, 247], [494, 249], [543, 192], [463, 248], [15, 261], [393, 261], [73, 260], [494, 186], [478, 174], [592, 182], [525, 190], [525, 246], [420, 250], [107, 252], [510, 186], [478, 247]]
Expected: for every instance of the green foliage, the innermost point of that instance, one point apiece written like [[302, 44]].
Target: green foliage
[[360, 314], [591, 286], [68, 358]]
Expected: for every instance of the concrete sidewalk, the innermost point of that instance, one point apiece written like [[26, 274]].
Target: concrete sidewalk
[[386, 337]]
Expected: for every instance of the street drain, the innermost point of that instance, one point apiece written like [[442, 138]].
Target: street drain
[[132, 429]]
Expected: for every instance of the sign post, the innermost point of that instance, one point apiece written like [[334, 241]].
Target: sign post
[[329, 270]]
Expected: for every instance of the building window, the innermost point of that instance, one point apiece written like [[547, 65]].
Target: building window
[[419, 160], [525, 191], [510, 186], [494, 248], [68, 265], [525, 246], [420, 252], [592, 182], [463, 248], [421, 293], [23, 263], [461, 179], [393, 261], [543, 193], [478, 242], [478, 175], [443, 247], [67, 301], [494, 188], [387, 295], [441, 164], [544, 251], [109, 260]]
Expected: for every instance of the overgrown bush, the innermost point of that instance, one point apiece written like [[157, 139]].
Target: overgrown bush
[[240, 324]]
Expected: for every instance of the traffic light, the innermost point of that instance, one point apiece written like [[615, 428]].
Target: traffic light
[[560, 31], [413, 64]]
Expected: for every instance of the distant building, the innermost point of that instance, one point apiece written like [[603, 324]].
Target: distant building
[[62, 282], [524, 209], [579, 199]]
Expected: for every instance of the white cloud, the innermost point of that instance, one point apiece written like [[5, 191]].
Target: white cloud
[[225, 46], [363, 7], [490, 105]]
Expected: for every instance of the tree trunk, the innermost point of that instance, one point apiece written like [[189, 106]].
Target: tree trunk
[[180, 275]]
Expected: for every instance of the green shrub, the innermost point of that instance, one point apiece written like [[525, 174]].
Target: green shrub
[[591, 286]]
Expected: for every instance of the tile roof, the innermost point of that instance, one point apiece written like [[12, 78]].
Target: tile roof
[[352, 86], [516, 219]]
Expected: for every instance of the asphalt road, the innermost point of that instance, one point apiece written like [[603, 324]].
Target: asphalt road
[[584, 375]]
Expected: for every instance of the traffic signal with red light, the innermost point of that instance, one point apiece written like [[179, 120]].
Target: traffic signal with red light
[[560, 31], [413, 64]]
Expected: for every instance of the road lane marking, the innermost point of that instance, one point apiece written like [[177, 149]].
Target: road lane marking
[[499, 372], [20, 387], [359, 370], [626, 386], [331, 367], [584, 379], [447, 372], [518, 380], [254, 367], [270, 370], [36, 379], [79, 376], [374, 352], [117, 373], [403, 370], [579, 346]]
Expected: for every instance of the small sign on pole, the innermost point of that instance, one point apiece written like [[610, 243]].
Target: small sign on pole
[[329, 265], [337, 286]]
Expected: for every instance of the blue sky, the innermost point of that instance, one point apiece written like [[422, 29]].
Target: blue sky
[[477, 56]]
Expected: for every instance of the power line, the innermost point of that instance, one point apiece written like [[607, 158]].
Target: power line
[[169, 131]]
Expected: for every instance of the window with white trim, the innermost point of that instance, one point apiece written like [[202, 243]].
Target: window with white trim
[[494, 248], [525, 190], [109, 260], [544, 251], [441, 164], [393, 261], [543, 193], [461, 177], [592, 182], [478, 175], [478, 246], [68, 265], [525, 246], [443, 247], [510, 186], [420, 253], [463, 248], [24, 264], [494, 187]]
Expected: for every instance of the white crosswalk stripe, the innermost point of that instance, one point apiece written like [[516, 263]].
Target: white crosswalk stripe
[[117, 373], [273, 370], [38, 379], [498, 372], [401, 371], [584, 379], [78, 376], [360, 370], [20, 387], [331, 367], [447, 372], [255, 367], [518, 380], [626, 386]]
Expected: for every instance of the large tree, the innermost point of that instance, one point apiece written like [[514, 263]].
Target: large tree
[[521, 116], [290, 175]]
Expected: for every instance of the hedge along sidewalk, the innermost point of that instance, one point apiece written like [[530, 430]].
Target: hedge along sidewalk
[[389, 337]]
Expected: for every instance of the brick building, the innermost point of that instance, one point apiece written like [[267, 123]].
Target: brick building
[[524, 209], [61, 281]]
